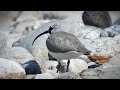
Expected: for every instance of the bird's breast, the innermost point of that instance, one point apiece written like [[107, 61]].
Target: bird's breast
[[65, 56]]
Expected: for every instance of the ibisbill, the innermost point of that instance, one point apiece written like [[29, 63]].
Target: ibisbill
[[62, 45]]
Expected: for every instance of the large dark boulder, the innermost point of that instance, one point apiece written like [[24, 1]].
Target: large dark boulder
[[99, 19], [31, 67]]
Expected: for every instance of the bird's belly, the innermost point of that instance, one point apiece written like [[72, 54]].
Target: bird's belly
[[67, 55]]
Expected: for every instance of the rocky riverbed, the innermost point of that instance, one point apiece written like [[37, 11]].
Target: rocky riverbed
[[99, 31]]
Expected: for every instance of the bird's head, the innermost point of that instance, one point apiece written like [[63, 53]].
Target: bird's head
[[52, 29]]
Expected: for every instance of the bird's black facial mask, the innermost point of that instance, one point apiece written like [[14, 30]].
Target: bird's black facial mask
[[40, 35], [50, 29]]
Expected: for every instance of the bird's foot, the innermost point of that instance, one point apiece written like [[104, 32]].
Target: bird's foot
[[68, 63], [58, 68]]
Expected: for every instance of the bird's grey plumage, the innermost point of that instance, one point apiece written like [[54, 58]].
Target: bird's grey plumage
[[61, 42], [62, 45]]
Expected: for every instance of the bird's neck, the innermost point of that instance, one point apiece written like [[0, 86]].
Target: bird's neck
[[56, 31]]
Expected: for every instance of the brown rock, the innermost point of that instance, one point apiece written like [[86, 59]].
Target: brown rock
[[99, 59]]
